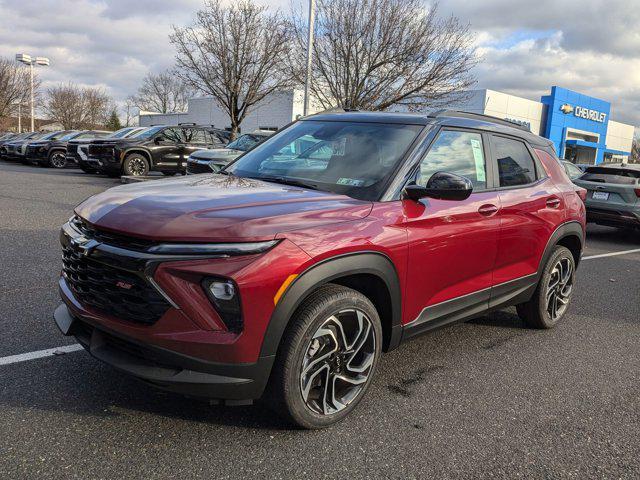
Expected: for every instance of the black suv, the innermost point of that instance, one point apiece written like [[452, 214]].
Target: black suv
[[51, 151], [77, 149], [159, 148]]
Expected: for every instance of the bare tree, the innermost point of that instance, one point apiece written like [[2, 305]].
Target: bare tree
[[14, 87], [374, 54], [635, 151], [77, 107], [162, 93], [236, 54]]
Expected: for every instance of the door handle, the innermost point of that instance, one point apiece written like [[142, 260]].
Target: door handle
[[487, 210], [553, 202]]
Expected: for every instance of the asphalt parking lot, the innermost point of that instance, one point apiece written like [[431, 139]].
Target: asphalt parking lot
[[483, 399]]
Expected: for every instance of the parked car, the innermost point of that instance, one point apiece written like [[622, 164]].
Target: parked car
[[41, 146], [241, 283], [613, 194], [54, 153], [159, 148], [77, 149], [573, 171], [16, 149], [207, 161], [8, 139]]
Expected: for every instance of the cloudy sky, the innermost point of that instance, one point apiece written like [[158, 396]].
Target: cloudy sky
[[592, 46]]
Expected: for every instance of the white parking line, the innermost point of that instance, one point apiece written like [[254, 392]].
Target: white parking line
[[611, 254], [24, 357]]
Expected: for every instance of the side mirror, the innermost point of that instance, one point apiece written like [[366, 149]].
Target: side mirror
[[442, 186]]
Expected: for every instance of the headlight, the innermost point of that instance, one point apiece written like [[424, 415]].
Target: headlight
[[222, 249]]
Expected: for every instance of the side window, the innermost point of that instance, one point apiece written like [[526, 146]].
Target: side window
[[173, 135], [456, 152], [196, 136], [515, 164]]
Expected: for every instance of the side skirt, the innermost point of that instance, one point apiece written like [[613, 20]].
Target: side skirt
[[471, 306]]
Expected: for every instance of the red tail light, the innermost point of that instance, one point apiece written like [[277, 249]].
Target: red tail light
[[637, 190], [582, 193]]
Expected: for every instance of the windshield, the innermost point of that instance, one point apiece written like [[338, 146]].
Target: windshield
[[120, 133], [245, 142], [147, 133], [70, 136], [350, 158], [52, 136]]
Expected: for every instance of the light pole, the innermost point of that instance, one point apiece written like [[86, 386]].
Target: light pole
[[307, 83], [28, 60]]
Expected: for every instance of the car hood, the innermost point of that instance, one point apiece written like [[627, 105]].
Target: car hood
[[215, 208], [217, 154]]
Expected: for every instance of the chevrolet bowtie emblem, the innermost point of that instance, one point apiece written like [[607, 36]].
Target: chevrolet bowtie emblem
[[566, 109], [84, 245]]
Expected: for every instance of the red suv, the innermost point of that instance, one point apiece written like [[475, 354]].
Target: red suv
[[287, 274]]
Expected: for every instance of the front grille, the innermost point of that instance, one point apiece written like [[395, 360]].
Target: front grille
[[111, 290], [193, 167], [100, 150], [113, 239], [31, 150]]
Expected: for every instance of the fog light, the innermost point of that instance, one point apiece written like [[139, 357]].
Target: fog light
[[222, 290], [224, 296]]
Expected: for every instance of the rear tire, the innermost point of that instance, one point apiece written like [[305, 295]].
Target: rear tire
[[553, 293], [320, 374], [136, 165]]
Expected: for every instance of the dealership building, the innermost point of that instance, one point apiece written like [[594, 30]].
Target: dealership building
[[579, 125]]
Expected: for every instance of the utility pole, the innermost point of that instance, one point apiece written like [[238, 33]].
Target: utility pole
[[307, 83], [19, 118]]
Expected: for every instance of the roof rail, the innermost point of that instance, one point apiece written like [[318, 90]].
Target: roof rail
[[477, 116]]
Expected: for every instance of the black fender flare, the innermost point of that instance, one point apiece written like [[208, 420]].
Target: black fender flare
[[139, 151], [570, 228], [369, 262]]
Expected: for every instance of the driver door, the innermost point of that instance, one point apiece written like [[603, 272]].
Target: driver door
[[452, 245], [169, 149]]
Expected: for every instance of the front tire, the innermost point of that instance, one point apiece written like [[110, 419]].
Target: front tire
[[136, 165], [553, 294], [327, 358], [57, 159]]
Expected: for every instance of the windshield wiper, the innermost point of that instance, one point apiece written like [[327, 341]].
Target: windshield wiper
[[288, 181]]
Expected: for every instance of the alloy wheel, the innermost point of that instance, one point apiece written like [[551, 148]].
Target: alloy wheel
[[58, 160], [559, 288], [137, 166], [338, 362]]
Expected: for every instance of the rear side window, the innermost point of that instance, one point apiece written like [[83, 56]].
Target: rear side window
[[456, 152], [620, 176], [515, 163]]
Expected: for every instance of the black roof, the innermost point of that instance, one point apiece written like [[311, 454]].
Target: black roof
[[617, 166], [441, 117]]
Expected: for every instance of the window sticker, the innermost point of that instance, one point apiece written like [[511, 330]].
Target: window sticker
[[350, 181], [478, 157]]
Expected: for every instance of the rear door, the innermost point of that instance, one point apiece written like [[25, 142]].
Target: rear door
[[168, 150], [532, 207], [195, 139]]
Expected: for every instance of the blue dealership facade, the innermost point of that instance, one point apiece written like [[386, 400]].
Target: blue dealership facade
[[579, 125]]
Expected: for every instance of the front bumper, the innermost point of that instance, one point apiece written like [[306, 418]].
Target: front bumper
[[166, 369]]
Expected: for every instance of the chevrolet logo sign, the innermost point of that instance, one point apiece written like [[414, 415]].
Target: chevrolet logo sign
[[566, 109]]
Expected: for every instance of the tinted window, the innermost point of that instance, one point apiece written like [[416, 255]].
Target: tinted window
[[620, 176], [572, 170], [515, 164], [352, 158], [173, 135], [196, 136], [455, 152]]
